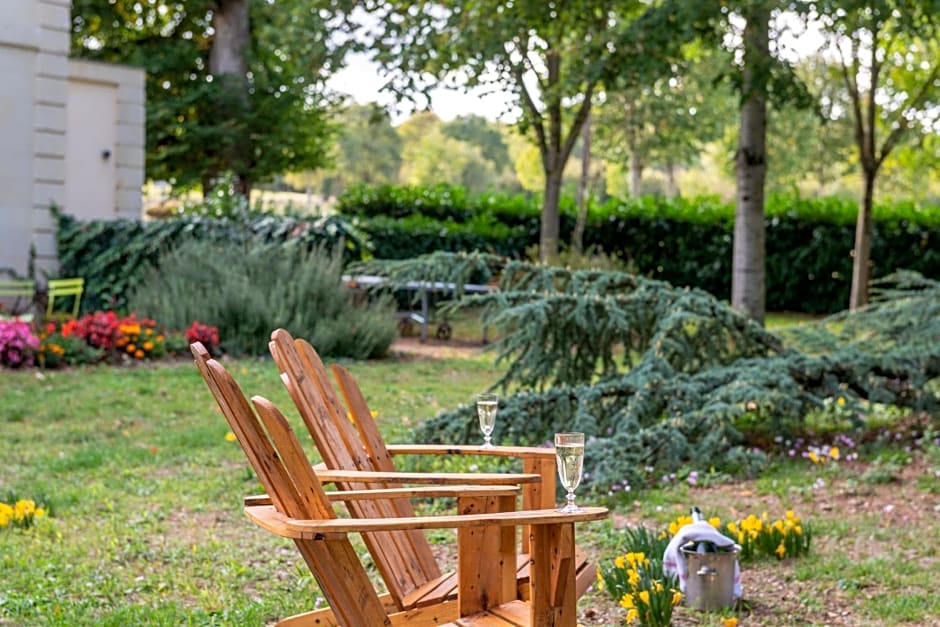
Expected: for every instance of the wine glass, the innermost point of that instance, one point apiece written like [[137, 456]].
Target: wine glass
[[487, 404], [569, 454]]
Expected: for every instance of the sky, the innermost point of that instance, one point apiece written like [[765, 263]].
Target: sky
[[360, 79]]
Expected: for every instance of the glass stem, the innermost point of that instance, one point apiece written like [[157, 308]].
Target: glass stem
[[571, 504]]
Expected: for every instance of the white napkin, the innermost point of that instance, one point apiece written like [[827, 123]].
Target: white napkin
[[674, 561]]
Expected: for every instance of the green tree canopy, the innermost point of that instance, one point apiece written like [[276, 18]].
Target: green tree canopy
[[198, 126], [551, 57], [888, 53]]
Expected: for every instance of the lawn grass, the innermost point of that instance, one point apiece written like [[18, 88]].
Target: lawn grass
[[146, 526]]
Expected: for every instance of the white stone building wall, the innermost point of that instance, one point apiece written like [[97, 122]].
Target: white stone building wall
[[42, 92]]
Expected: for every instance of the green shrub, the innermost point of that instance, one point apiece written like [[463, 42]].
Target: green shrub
[[687, 242], [660, 377], [111, 255], [247, 290]]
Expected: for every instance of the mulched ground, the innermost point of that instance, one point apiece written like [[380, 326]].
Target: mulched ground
[[773, 594]]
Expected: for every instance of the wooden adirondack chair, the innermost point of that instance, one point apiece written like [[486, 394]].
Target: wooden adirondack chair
[[297, 507], [358, 445]]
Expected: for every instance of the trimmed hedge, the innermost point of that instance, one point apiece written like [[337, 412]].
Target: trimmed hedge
[[683, 241], [112, 255]]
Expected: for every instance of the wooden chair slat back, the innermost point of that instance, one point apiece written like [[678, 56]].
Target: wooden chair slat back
[[404, 558], [362, 416], [305, 482], [317, 412], [256, 448], [295, 490]]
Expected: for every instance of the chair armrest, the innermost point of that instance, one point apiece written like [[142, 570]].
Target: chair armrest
[[402, 493], [434, 478], [336, 528], [464, 449]]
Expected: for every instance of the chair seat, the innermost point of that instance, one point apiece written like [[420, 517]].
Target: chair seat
[[514, 613], [444, 588]]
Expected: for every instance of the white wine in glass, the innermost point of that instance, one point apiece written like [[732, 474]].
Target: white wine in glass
[[569, 454], [487, 404]]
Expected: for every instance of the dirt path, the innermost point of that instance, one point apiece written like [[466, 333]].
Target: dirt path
[[437, 349]]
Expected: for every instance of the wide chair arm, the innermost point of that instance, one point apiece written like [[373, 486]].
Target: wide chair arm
[[455, 491], [270, 519]]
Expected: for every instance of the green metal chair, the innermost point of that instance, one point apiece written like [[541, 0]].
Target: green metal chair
[[58, 288], [16, 290]]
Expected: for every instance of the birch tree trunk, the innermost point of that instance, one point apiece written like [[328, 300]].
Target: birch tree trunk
[[577, 238], [636, 173], [548, 236], [672, 188], [747, 281], [861, 262]]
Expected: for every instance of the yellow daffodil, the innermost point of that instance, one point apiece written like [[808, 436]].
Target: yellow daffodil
[[633, 578], [6, 513], [632, 615], [676, 597], [813, 457], [834, 452], [780, 550], [715, 522], [626, 602], [644, 596]]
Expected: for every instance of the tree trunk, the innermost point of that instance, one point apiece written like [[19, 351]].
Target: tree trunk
[[747, 280], [232, 36], [672, 188], [636, 173], [577, 238], [228, 65], [548, 238], [861, 262]]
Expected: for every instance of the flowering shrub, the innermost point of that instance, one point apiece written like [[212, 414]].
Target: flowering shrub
[[61, 347], [99, 329], [18, 345], [640, 586], [21, 514], [95, 337], [784, 537], [205, 333], [139, 339]]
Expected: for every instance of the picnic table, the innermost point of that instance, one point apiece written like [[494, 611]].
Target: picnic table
[[422, 288]]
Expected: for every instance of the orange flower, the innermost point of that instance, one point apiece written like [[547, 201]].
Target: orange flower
[[148, 346], [131, 348], [139, 354]]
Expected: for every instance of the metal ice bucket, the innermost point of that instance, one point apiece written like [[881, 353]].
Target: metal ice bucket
[[710, 583]]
